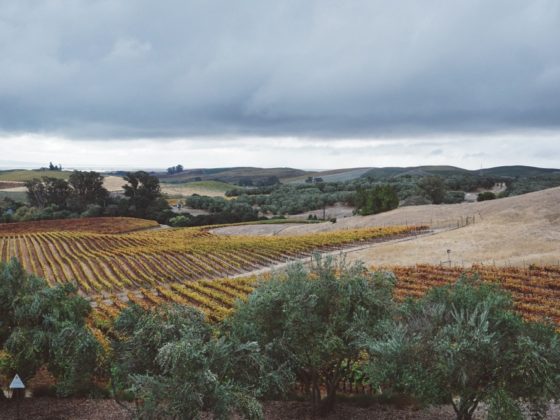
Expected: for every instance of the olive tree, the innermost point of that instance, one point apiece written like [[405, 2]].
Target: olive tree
[[309, 323], [433, 187], [178, 365], [463, 344], [46, 326]]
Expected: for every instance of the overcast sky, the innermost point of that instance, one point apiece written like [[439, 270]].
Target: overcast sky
[[309, 84]]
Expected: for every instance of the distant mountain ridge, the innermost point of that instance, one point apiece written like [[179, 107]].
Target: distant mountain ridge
[[285, 174], [502, 171]]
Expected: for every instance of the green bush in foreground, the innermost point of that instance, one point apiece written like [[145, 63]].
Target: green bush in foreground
[[309, 323], [172, 360], [462, 345], [42, 325]]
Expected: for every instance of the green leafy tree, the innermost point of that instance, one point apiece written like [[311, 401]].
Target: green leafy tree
[[145, 198], [463, 344], [42, 325], [434, 188], [173, 361], [376, 200], [36, 193], [48, 191], [175, 169], [87, 189], [57, 191], [310, 322]]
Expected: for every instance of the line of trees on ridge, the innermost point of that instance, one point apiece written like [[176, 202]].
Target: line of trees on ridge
[[83, 195]]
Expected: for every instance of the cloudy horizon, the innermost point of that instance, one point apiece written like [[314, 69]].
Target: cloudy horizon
[[313, 84]]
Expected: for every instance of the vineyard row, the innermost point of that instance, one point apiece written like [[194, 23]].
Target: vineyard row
[[109, 263]]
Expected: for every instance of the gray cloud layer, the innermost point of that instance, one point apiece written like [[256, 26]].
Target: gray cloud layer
[[110, 69]]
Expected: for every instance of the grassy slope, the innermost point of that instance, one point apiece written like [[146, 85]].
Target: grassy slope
[[21, 175], [510, 231], [335, 175], [211, 188], [513, 171], [231, 175], [218, 186], [14, 195], [444, 171]]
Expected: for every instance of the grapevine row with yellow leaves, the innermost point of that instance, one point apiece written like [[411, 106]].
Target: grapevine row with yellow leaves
[[535, 290], [112, 262]]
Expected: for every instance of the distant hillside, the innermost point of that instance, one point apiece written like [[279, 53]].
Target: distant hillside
[[291, 175], [208, 188], [445, 171], [231, 175], [333, 175], [517, 171], [21, 175]]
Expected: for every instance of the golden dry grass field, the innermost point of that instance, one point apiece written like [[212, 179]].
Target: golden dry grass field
[[511, 231]]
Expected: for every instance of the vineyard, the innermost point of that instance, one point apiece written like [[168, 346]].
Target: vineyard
[[91, 225], [116, 260], [535, 290], [112, 262], [216, 298]]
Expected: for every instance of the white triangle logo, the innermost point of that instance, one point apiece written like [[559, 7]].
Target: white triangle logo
[[17, 383]]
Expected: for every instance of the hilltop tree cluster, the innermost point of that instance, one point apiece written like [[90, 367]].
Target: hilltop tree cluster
[[55, 167], [83, 195], [175, 169], [367, 195], [410, 189], [301, 332], [221, 211], [81, 190]]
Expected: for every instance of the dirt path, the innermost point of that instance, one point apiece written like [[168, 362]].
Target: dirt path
[[89, 409]]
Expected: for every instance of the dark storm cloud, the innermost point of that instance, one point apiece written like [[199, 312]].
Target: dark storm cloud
[[109, 69]]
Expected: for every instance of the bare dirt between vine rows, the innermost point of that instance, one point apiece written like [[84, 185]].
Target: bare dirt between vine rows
[[89, 409]]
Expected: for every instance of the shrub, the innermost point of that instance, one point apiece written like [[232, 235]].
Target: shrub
[[464, 344], [454, 197], [378, 199], [172, 360], [415, 200], [309, 323], [93, 210], [41, 325], [487, 195], [179, 221]]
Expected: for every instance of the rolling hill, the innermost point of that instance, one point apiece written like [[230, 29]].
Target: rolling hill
[[230, 175], [516, 230], [291, 175]]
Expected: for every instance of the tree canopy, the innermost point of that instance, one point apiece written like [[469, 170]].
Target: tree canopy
[[144, 194], [434, 188], [42, 325], [309, 322], [379, 199], [463, 344], [172, 359]]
